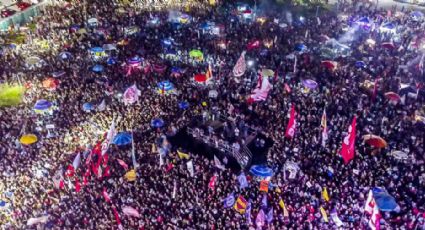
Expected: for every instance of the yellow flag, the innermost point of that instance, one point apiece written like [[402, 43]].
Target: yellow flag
[[324, 215], [282, 205], [183, 155], [325, 194], [130, 175]]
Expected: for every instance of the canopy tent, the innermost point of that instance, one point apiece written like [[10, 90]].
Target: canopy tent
[[122, 138], [261, 171], [28, 139], [375, 141]]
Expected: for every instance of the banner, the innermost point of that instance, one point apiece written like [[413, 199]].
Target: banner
[[264, 186], [290, 130], [348, 144]]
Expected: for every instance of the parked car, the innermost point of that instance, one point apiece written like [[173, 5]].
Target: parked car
[[23, 5], [6, 12]]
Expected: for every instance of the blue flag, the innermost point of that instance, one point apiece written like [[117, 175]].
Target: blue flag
[[269, 216], [229, 201], [243, 182], [264, 201]]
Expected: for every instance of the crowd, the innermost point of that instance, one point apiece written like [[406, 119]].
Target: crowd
[[165, 194]]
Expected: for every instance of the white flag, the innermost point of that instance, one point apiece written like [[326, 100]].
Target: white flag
[[109, 137], [218, 163], [101, 106], [42, 219], [76, 161], [190, 168]]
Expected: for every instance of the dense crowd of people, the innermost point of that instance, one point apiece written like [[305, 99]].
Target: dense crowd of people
[[164, 193]]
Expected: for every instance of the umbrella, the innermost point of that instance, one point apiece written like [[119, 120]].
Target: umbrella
[[165, 85], [176, 71], [267, 72], [42, 105], [200, 78], [330, 64], [183, 105], [159, 68], [123, 138], [388, 45], [392, 96], [87, 107], [300, 47], [400, 155], [50, 83], [33, 60], [196, 54], [364, 20], [389, 26], [28, 139], [109, 47], [97, 49], [111, 61], [261, 171], [213, 93], [385, 201], [97, 68], [166, 42], [311, 84], [417, 14], [65, 55], [157, 123], [360, 64], [134, 60], [375, 141]]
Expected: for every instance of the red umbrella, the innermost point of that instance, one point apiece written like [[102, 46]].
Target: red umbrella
[[392, 96], [388, 45], [330, 64], [200, 78], [375, 141], [50, 83]]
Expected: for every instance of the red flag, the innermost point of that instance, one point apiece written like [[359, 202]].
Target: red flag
[[106, 195], [105, 159], [69, 171], [117, 218], [77, 185], [85, 181], [348, 144], [123, 164], [213, 179], [106, 172], [290, 129]]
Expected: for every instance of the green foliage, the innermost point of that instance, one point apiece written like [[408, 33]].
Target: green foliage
[[11, 95]]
